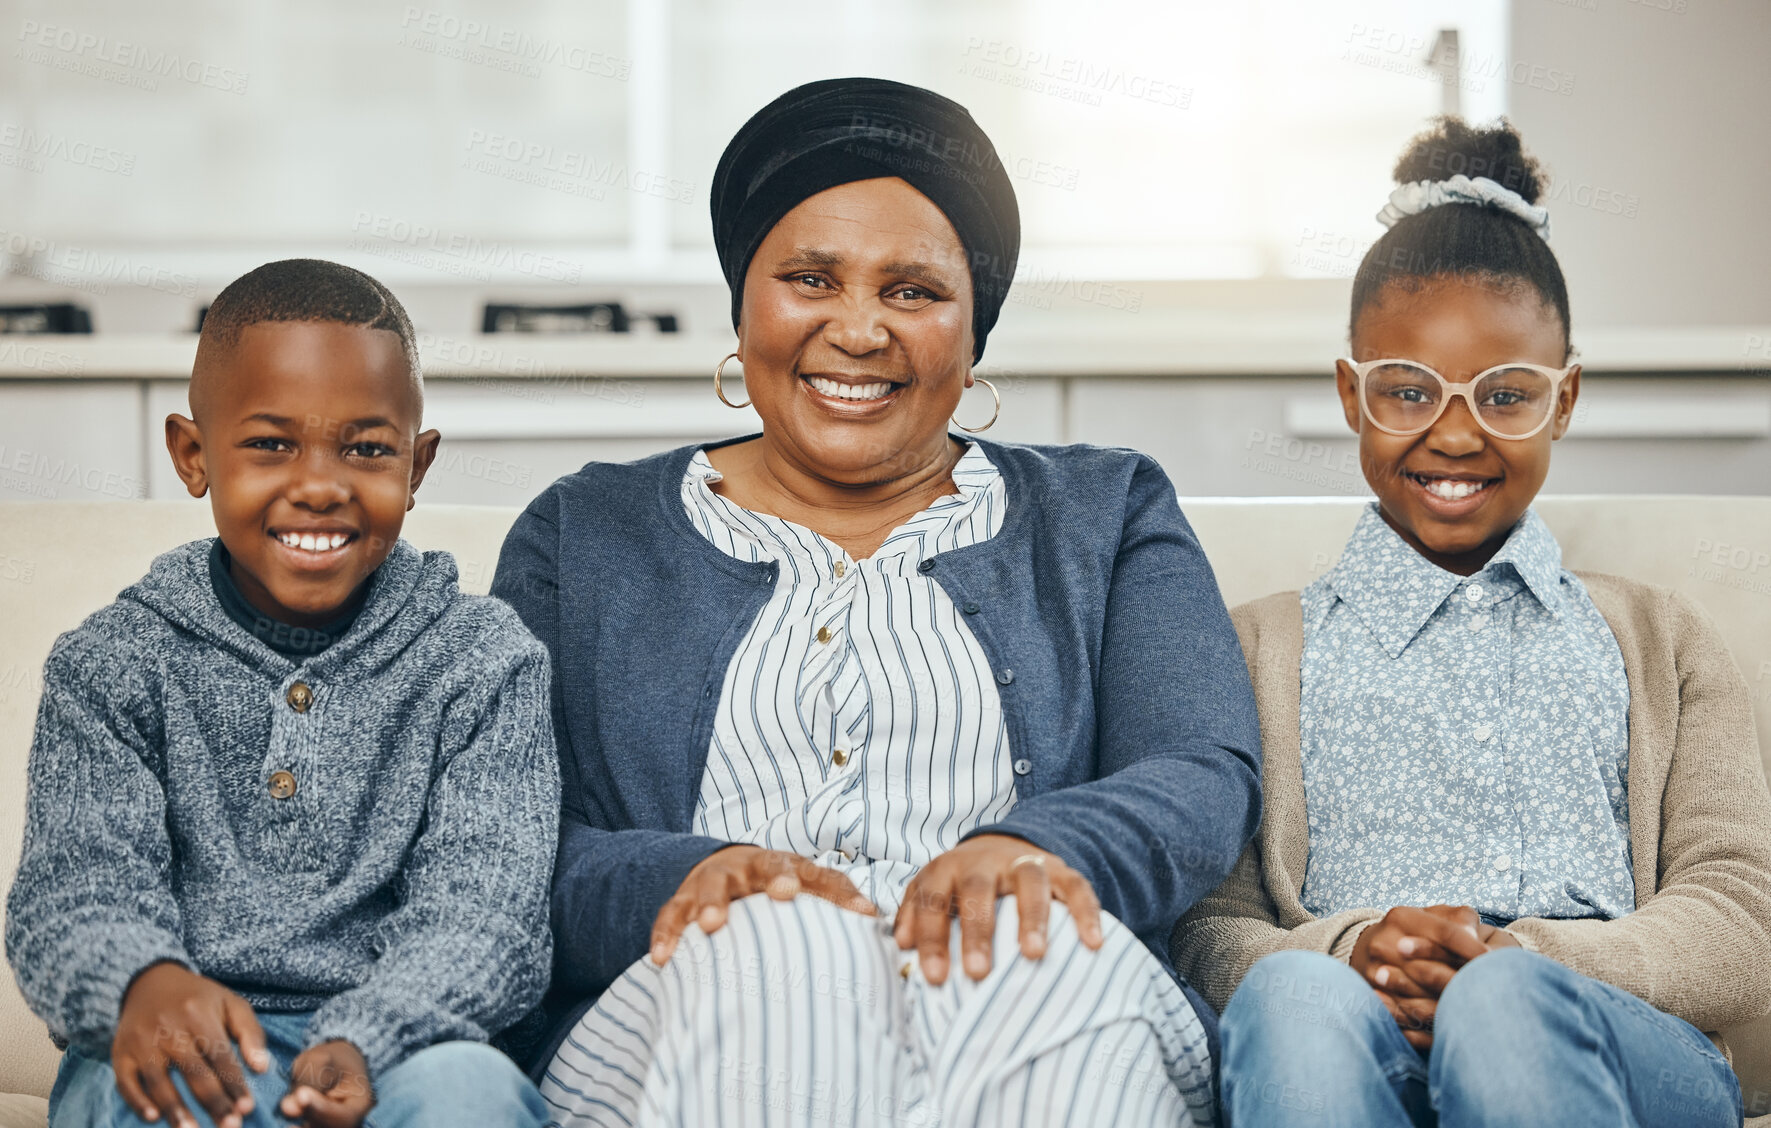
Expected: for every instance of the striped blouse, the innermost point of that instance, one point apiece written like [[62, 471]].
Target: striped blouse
[[859, 724]]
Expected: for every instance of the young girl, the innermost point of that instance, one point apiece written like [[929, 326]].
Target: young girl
[[1516, 850]]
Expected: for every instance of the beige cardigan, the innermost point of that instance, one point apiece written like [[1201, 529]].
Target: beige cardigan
[[1699, 943]]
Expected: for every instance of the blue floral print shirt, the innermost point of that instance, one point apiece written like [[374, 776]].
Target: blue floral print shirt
[[1465, 739]]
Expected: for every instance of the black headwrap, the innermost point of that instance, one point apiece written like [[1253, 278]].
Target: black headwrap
[[827, 133]]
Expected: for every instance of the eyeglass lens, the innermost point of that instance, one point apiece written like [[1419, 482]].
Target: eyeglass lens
[[1406, 397]]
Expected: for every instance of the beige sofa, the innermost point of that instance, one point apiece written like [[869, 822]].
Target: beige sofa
[[60, 561]]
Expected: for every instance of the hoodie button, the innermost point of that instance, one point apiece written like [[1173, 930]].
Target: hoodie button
[[300, 697]]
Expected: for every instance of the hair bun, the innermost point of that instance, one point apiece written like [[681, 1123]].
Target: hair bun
[[1454, 147]]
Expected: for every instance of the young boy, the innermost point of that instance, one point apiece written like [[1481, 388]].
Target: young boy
[[293, 792]]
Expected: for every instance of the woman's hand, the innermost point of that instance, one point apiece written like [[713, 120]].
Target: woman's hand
[[173, 1018], [967, 880], [328, 1087], [738, 871], [1410, 956]]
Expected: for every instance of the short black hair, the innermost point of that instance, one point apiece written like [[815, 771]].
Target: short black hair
[[1479, 242], [304, 289]]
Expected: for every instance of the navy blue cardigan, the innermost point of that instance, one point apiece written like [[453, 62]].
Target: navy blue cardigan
[[1121, 679]]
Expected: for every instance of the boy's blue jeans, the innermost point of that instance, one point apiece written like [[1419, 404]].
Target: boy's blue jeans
[[1518, 1040], [449, 1085]]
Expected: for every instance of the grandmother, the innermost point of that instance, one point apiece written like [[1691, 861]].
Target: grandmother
[[844, 701]]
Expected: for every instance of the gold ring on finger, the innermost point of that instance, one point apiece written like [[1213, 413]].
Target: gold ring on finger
[[1026, 859]]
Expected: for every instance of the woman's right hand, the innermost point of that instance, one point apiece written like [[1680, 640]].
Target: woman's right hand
[[738, 871]]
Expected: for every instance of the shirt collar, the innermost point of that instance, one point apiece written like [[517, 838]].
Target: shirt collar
[[973, 475], [296, 643], [1532, 551], [1394, 590]]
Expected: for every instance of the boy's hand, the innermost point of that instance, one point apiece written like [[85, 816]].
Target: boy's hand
[[328, 1087], [174, 1018]]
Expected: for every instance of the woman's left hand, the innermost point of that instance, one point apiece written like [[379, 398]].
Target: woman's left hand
[[967, 880]]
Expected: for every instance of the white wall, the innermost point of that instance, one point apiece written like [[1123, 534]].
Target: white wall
[[1669, 115]]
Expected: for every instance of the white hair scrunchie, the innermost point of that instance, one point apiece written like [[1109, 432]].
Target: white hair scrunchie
[[1422, 195]]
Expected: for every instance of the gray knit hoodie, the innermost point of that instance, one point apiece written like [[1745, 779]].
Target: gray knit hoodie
[[401, 891]]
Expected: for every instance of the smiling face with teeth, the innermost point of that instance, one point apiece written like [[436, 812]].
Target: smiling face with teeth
[[306, 438], [1454, 492], [855, 336]]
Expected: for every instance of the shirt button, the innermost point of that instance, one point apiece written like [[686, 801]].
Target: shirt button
[[1005, 675], [299, 697], [971, 608], [1022, 767], [1478, 623], [1474, 593], [282, 785], [823, 634], [1502, 864], [1483, 732], [839, 757], [840, 569], [926, 566]]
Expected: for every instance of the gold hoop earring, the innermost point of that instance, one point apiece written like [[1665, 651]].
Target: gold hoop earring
[[995, 395], [719, 370]]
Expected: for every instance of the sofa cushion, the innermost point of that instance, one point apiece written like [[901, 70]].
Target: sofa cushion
[[59, 561]]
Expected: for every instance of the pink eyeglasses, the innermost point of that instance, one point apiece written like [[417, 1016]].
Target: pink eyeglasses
[[1405, 397]]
